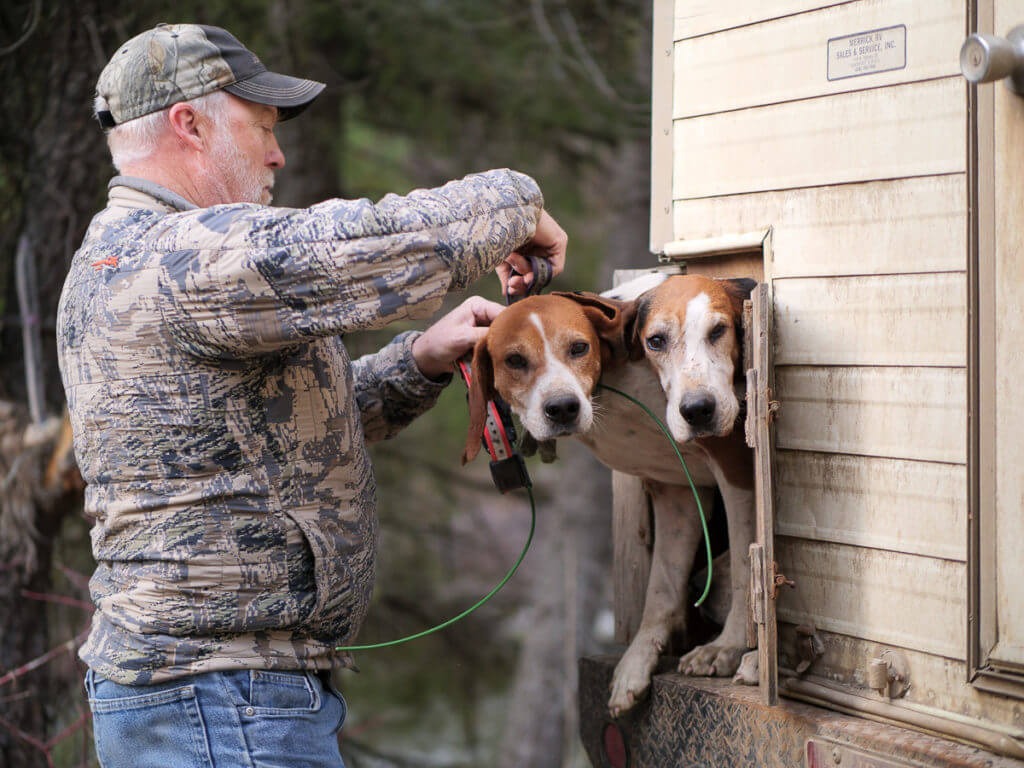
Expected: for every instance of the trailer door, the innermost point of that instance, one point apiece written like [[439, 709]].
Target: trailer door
[[996, 628]]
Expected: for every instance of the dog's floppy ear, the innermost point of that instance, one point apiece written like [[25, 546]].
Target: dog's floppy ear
[[611, 319], [739, 290], [481, 389], [634, 329]]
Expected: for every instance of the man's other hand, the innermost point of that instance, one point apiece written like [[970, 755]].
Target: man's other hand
[[549, 242], [453, 335]]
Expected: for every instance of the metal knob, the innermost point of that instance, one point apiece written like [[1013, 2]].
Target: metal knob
[[987, 58]]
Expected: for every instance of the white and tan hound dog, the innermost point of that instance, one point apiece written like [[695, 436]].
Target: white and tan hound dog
[[545, 354]]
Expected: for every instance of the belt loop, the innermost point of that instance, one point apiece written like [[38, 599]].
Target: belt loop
[[90, 683]]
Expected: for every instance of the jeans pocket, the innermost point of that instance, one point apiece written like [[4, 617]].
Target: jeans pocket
[[281, 693], [332, 689], [161, 726]]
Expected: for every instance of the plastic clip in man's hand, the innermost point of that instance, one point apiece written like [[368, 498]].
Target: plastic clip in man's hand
[[549, 242]]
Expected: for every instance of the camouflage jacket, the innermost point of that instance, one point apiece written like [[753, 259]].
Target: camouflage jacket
[[220, 424]]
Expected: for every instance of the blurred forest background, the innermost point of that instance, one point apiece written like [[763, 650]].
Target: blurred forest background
[[419, 91]]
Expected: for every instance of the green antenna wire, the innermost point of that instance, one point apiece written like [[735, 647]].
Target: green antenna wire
[[529, 539], [481, 601], [696, 496]]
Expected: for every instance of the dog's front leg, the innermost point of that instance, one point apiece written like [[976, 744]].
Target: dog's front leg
[[676, 534], [722, 655]]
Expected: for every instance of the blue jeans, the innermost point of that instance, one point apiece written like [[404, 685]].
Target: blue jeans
[[251, 718]]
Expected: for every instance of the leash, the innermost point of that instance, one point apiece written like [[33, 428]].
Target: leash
[[508, 468], [696, 496]]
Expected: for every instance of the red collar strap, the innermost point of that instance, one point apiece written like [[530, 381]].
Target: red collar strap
[[508, 469]]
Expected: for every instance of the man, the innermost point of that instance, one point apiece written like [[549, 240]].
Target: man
[[218, 421]]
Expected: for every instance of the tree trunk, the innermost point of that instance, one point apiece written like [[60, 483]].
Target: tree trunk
[[56, 165]]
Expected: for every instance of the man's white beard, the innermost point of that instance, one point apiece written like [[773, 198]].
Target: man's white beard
[[235, 177]]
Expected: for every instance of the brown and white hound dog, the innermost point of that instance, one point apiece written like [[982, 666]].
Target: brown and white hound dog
[[673, 343]]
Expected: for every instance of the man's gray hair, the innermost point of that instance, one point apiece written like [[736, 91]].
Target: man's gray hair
[[137, 139]]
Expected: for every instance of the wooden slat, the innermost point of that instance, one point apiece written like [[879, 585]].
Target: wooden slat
[[884, 133], [915, 507], [699, 17], [764, 493], [878, 227], [661, 125], [878, 320], [905, 413], [1009, 365], [935, 681], [632, 539], [786, 59], [889, 597]]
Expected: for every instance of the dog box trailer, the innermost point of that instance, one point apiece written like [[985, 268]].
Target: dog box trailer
[[836, 151]]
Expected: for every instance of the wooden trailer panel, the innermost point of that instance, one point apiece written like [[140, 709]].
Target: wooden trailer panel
[[889, 597], [936, 682], [863, 184], [785, 61], [877, 227], [902, 413], [914, 507], [881, 133], [909, 320], [701, 17]]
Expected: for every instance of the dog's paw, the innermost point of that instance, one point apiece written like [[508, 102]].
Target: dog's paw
[[712, 660], [747, 673], [632, 678]]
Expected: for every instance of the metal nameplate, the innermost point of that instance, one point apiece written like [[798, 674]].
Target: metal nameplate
[[824, 753], [865, 53]]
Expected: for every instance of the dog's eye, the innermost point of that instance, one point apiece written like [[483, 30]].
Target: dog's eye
[[716, 333], [656, 343], [578, 348], [515, 360]]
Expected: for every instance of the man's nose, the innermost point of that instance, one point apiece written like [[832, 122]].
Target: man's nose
[[275, 157]]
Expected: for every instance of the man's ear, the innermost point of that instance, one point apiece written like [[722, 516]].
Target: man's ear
[[610, 318], [184, 122], [481, 389]]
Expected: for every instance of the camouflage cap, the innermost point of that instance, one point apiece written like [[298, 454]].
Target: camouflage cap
[[179, 62]]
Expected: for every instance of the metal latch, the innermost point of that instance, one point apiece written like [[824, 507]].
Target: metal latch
[[889, 674]]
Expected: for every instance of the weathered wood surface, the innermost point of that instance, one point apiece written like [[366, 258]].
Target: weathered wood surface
[[1009, 362], [936, 681], [701, 17], [764, 490], [904, 413], [889, 597], [877, 227], [786, 59], [661, 125], [877, 320], [905, 130], [632, 542], [916, 507]]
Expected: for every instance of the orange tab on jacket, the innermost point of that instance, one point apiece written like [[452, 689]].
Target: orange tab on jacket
[[110, 261]]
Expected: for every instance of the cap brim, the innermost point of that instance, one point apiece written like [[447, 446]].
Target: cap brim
[[290, 95]]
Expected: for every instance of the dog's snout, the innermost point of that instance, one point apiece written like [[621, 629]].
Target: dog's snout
[[697, 408], [562, 410]]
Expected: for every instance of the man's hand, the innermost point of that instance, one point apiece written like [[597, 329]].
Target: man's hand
[[453, 335], [549, 242]]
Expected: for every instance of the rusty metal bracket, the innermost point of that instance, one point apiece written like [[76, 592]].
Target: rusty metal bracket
[[779, 580]]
